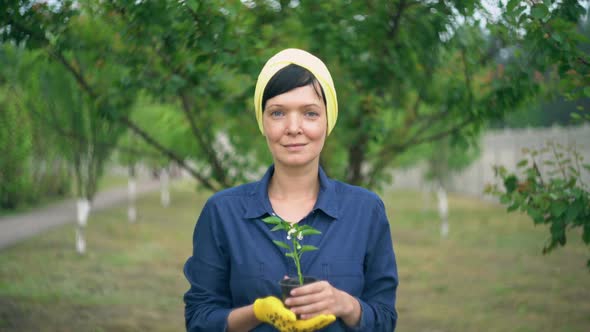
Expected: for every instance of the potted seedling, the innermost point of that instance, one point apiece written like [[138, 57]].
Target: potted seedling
[[295, 234]]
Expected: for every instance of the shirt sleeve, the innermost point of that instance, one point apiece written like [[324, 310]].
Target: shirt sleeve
[[208, 301], [378, 298]]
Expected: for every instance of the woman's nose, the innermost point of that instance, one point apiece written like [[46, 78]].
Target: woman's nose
[[294, 124]]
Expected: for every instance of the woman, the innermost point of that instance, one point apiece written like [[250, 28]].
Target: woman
[[234, 260]]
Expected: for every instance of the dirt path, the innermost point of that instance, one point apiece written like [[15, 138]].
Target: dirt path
[[15, 228]]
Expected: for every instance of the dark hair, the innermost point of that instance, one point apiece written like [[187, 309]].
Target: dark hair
[[291, 77]]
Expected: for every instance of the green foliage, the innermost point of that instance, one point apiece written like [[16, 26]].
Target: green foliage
[[15, 155], [41, 172], [84, 137], [553, 41], [556, 197], [408, 73], [165, 123], [295, 234], [421, 76], [564, 72]]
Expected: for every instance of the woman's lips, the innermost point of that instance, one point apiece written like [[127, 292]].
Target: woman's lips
[[294, 147]]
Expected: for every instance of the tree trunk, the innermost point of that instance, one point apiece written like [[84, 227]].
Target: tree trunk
[[164, 187], [357, 150], [83, 210], [131, 210], [443, 211]]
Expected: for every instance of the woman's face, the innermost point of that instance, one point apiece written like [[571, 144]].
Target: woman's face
[[295, 126]]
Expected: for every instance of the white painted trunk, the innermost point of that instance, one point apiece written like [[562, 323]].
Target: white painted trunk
[[443, 211], [164, 188], [82, 212], [131, 211], [83, 209], [80, 241]]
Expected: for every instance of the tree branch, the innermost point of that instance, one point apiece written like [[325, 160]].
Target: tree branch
[[219, 173], [218, 170], [77, 75], [396, 149], [395, 19], [168, 153], [140, 132], [83, 83], [437, 136], [583, 61]]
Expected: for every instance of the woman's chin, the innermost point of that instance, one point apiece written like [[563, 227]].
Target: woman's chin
[[295, 161]]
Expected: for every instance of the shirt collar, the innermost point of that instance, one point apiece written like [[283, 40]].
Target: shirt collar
[[326, 201]]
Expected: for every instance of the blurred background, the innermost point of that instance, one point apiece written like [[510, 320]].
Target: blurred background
[[118, 119]]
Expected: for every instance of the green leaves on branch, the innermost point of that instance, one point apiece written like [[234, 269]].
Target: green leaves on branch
[[282, 244], [548, 187], [539, 11], [408, 73], [295, 234]]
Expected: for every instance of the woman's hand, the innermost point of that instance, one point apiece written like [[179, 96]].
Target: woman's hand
[[271, 310], [322, 298]]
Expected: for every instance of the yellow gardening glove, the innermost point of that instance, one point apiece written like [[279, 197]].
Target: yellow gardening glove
[[313, 324], [272, 311]]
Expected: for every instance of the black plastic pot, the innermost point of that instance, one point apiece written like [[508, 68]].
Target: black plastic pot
[[291, 283]]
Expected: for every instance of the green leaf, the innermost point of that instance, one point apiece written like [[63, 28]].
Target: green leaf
[[547, 3], [535, 215], [587, 91], [272, 220], [517, 13], [539, 11], [558, 208], [510, 183], [280, 226], [522, 163], [290, 254], [511, 5], [557, 38], [310, 232], [573, 171], [281, 244], [304, 227], [513, 207], [307, 248], [574, 210]]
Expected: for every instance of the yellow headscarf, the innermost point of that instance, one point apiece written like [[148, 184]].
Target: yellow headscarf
[[307, 61]]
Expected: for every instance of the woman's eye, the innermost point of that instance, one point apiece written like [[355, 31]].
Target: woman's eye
[[276, 114], [312, 114]]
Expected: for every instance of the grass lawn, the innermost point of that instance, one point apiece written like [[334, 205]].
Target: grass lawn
[[489, 275]]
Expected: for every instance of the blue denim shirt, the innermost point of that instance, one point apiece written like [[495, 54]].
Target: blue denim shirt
[[234, 260]]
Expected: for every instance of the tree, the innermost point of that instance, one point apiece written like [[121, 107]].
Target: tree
[[168, 49], [553, 45], [427, 71], [556, 196], [32, 167], [407, 72], [86, 140], [15, 154]]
